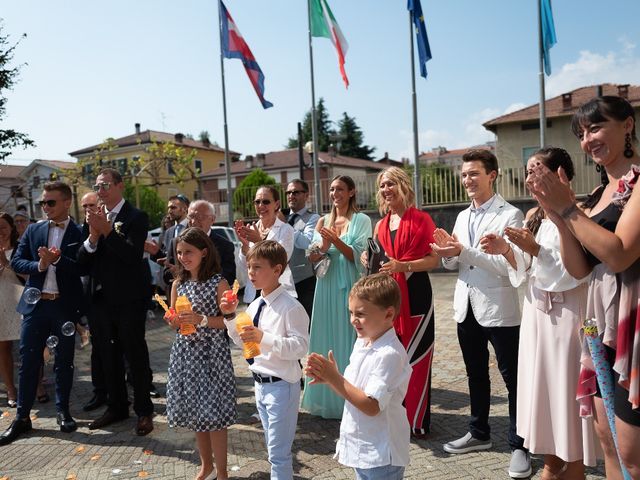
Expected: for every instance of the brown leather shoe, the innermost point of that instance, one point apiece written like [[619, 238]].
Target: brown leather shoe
[[107, 418], [144, 426]]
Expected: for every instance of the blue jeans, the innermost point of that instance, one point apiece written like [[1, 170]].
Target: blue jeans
[[388, 472], [278, 409], [46, 319]]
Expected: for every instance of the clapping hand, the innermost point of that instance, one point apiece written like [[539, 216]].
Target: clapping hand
[[494, 244], [444, 244], [391, 266], [321, 369], [551, 189], [48, 256], [524, 239], [98, 223]]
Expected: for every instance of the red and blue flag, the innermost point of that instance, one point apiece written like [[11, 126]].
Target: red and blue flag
[[234, 46]]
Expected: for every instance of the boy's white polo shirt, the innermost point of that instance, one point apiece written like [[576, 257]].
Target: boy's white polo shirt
[[382, 371]]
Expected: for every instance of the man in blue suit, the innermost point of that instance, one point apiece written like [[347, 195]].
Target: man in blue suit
[[47, 253]]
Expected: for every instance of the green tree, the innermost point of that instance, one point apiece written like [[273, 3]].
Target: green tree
[[324, 128], [440, 184], [150, 202], [9, 138], [246, 192], [352, 141]]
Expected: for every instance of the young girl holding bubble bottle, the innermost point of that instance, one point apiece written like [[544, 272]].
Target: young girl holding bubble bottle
[[201, 390]]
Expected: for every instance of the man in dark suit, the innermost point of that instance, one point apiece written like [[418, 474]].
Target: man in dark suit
[[177, 207], [121, 286], [47, 253], [202, 215]]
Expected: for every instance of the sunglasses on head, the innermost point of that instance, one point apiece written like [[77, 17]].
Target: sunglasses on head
[[262, 202], [102, 185], [48, 203]]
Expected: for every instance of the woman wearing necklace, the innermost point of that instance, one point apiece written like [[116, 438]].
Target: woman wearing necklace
[[342, 235], [406, 233], [268, 227]]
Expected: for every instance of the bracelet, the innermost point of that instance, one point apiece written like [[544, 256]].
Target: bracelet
[[508, 250], [567, 212], [205, 321], [408, 266], [229, 316]]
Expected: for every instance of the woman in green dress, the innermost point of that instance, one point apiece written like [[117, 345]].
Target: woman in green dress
[[342, 235]]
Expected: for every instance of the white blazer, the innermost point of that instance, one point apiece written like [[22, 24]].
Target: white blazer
[[282, 233], [483, 279]]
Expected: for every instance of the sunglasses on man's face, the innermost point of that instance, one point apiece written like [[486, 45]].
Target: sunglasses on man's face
[[102, 185], [48, 203], [295, 192], [262, 202]]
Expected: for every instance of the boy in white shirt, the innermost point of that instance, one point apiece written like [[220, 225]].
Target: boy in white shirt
[[374, 432], [281, 327]]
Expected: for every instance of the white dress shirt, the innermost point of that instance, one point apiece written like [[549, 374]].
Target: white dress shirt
[[111, 216], [382, 371], [285, 326], [282, 233], [54, 240]]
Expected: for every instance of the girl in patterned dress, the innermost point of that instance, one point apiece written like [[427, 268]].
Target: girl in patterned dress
[[201, 391]]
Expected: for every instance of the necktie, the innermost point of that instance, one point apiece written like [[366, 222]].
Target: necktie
[[56, 224], [179, 228], [256, 321], [111, 216], [292, 219]]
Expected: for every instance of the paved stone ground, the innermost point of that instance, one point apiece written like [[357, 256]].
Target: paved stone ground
[[116, 453]]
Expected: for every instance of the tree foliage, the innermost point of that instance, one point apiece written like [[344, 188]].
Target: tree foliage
[[246, 191], [150, 202], [324, 128], [352, 140], [9, 138], [440, 183]]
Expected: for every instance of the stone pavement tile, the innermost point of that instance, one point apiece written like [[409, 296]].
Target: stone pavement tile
[[48, 453]]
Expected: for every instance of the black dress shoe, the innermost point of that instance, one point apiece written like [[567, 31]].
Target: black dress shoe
[[108, 418], [66, 422], [17, 428], [96, 402]]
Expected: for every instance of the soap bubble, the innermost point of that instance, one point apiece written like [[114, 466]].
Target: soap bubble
[[32, 295], [68, 329], [52, 342]]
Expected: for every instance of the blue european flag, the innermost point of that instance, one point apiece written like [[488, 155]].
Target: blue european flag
[[424, 51], [548, 33]]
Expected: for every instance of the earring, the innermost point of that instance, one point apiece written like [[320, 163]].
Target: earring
[[628, 148], [598, 168]]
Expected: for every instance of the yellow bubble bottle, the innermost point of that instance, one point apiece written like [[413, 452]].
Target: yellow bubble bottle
[[183, 305], [249, 349]]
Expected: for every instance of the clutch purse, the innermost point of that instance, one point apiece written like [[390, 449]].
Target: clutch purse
[[376, 256]]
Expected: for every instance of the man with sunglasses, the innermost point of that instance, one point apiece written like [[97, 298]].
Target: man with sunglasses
[[304, 223], [120, 292], [177, 208], [47, 254]]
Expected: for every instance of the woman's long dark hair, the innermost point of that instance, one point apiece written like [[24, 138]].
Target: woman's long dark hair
[[552, 158], [13, 236], [597, 110], [210, 262], [353, 205]]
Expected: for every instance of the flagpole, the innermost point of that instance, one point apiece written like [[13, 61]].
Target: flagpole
[[416, 171], [543, 115], [314, 126], [227, 162]]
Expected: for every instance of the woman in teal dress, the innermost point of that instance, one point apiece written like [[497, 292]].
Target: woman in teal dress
[[342, 234]]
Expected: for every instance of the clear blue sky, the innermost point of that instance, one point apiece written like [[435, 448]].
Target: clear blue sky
[[96, 68]]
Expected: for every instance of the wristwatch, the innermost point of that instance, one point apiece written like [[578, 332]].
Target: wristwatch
[[205, 321]]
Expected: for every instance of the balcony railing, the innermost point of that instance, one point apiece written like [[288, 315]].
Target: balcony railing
[[440, 185]]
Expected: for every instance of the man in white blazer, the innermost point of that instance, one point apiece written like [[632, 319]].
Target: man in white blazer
[[486, 306]]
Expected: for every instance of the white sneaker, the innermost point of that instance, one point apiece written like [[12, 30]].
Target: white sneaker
[[520, 464], [466, 444]]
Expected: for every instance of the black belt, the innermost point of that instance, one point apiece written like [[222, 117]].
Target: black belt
[[265, 378]]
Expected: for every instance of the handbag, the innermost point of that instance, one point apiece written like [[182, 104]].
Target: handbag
[[376, 256], [321, 266]]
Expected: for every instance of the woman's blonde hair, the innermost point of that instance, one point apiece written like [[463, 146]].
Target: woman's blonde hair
[[402, 180]]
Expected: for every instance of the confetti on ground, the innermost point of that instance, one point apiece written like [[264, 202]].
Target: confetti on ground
[[235, 468], [137, 462], [80, 449], [116, 471], [33, 418], [4, 478], [5, 414], [71, 476], [95, 457], [148, 452], [142, 473]]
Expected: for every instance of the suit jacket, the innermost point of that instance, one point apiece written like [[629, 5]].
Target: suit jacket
[[225, 248], [483, 279], [303, 227], [168, 235], [118, 268], [26, 259]]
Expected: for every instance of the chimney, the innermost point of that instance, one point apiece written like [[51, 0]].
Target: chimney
[[248, 160], [623, 91], [599, 91], [179, 137], [206, 142], [137, 125], [566, 101], [260, 160]]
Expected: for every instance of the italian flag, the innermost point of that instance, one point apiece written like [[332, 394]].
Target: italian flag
[[323, 24]]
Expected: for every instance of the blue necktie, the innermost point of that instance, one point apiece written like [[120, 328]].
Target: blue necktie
[[256, 321]]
